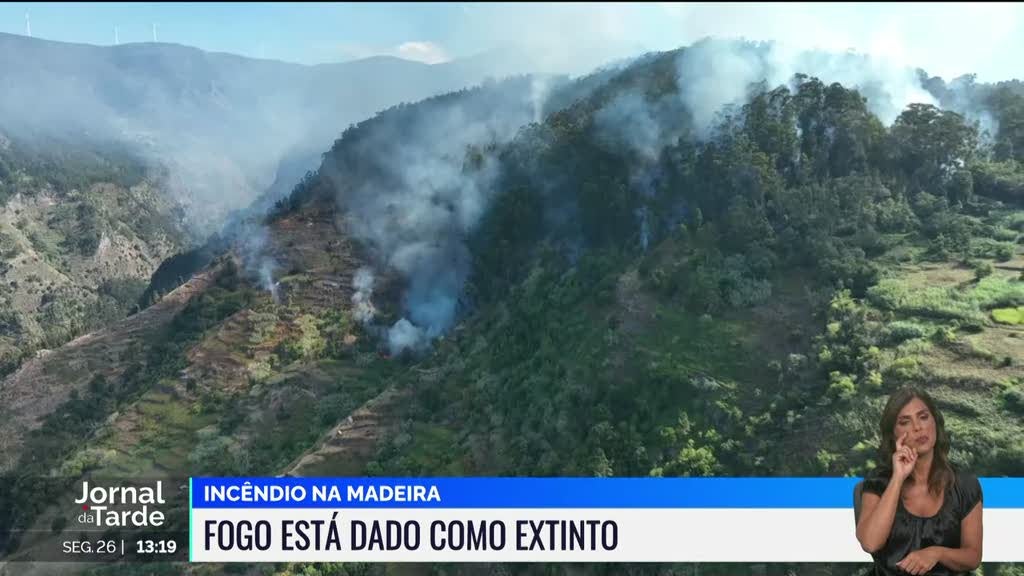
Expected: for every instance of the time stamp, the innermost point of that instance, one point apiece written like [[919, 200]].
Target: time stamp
[[112, 547]]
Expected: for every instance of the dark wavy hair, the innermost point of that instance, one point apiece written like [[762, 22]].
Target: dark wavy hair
[[941, 474]]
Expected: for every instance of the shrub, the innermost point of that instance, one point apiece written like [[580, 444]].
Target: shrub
[[9, 248], [88, 231], [989, 248], [310, 343], [902, 330], [692, 461], [944, 334], [85, 460], [982, 269], [873, 381], [825, 460], [970, 326], [841, 386], [904, 368], [259, 371], [1012, 397], [10, 322], [1005, 235]]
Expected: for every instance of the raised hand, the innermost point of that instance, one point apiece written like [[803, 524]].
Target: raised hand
[[903, 458]]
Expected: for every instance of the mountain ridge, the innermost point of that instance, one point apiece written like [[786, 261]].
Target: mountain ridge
[[220, 122]]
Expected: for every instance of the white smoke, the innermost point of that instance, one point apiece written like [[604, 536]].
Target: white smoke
[[362, 300], [889, 87], [714, 74], [631, 122], [266, 272], [715, 78], [427, 179], [406, 336], [540, 86], [645, 228], [252, 242], [576, 37], [643, 128], [964, 97]]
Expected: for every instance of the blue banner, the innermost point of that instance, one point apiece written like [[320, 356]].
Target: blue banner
[[551, 492]]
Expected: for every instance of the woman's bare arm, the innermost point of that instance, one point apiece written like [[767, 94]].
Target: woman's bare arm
[[877, 514], [968, 555]]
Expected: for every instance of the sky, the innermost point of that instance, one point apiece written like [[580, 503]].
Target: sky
[[946, 39]]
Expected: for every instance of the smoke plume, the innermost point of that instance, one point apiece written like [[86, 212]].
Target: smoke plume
[[413, 183], [714, 74], [362, 299]]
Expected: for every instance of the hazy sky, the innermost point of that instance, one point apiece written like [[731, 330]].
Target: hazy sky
[[945, 39]]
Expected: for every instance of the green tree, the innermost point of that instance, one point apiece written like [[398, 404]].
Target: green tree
[[932, 146]]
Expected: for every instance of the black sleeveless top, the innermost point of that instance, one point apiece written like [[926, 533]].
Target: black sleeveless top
[[910, 532]]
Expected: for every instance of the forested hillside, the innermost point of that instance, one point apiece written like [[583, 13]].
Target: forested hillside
[[652, 303], [606, 283]]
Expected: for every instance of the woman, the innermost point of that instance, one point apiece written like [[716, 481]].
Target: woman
[[919, 515]]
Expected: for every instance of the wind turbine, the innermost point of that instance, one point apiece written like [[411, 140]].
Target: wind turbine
[[28, 26], [154, 32]]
